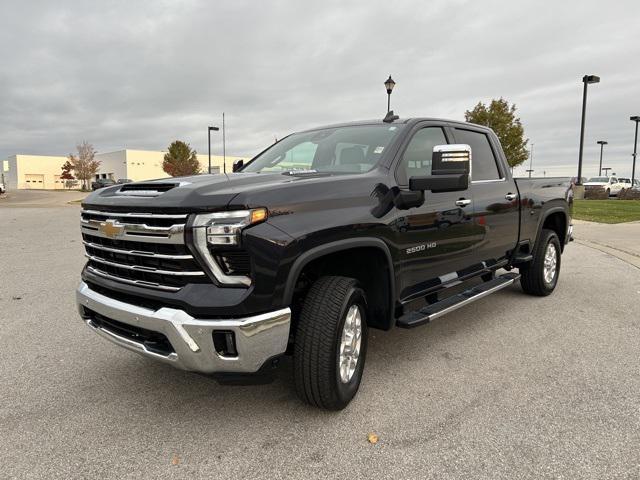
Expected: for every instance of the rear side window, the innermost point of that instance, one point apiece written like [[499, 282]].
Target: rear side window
[[483, 161], [416, 160]]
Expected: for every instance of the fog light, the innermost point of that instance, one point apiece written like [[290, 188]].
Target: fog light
[[225, 343]]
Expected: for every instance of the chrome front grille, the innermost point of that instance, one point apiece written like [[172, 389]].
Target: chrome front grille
[[143, 249]]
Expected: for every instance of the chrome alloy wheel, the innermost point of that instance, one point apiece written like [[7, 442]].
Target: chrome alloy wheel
[[350, 343], [550, 263]]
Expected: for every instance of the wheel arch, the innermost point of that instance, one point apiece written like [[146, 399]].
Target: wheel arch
[[329, 259], [555, 219]]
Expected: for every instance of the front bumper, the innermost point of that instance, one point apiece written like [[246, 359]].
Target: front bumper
[[257, 338]]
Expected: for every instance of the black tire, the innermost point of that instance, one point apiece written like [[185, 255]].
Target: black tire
[[317, 343], [533, 280], [608, 192]]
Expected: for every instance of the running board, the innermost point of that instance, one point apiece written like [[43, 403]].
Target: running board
[[435, 310]]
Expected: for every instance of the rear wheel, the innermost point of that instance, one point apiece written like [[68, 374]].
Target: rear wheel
[[331, 343], [540, 276]]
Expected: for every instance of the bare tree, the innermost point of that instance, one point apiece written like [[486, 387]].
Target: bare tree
[[84, 165]]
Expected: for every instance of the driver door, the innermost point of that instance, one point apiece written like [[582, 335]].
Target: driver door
[[433, 240]]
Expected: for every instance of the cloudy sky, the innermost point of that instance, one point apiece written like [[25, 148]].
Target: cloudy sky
[[136, 74]]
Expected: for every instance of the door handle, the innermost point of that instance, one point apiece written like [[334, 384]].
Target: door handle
[[463, 202], [511, 196]]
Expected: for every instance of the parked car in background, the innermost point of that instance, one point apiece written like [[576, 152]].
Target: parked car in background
[[124, 180], [2, 189], [101, 183], [636, 185], [624, 183], [609, 184]]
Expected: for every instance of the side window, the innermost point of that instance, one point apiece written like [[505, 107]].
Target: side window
[[483, 161], [417, 157]]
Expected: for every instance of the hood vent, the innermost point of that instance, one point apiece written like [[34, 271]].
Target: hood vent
[[145, 189]]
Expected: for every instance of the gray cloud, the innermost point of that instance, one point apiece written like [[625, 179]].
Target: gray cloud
[[140, 74]]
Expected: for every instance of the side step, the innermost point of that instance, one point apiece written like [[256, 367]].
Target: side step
[[522, 258], [435, 310]]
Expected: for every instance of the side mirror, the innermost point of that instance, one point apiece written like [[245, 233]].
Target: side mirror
[[237, 165], [450, 170]]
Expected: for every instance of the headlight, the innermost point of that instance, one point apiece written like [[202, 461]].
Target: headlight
[[223, 228], [219, 229]]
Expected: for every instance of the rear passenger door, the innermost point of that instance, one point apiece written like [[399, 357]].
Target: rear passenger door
[[495, 198]]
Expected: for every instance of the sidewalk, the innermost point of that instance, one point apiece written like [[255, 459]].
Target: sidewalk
[[621, 240]]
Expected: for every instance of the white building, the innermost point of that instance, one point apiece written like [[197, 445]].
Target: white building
[[43, 171]]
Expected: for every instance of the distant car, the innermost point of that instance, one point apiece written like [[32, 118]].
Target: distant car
[[610, 184], [124, 180], [2, 189], [624, 183], [636, 185], [101, 183]]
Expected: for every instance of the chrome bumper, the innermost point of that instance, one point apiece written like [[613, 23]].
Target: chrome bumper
[[258, 338]]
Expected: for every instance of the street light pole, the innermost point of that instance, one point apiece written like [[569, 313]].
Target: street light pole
[[215, 129], [587, 79], [602, 143], [224, 147], [389, 84], [606, 171], [635, 148], [531, 160]]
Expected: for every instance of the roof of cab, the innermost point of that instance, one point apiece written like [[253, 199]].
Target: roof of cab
[[411, 121]]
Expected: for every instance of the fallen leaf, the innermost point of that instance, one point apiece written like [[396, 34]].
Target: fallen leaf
[[373, 438], [175, 459]]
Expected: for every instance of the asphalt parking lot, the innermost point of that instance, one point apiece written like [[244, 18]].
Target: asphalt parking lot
[[510, 387]]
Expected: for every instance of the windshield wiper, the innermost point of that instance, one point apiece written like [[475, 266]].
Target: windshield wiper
[[301, 171]]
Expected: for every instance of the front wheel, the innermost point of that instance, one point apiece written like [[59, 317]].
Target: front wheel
[[540, 276], [331, 343]]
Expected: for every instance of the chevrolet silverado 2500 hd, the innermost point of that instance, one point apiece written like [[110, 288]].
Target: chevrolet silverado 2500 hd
[[323, 236]]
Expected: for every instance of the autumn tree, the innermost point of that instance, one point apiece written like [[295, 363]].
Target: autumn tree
[[84, 165], [66, 174], [181, 160], [501, 118]]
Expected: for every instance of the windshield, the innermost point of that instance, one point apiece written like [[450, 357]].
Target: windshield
[[599, 179], [352, 149]]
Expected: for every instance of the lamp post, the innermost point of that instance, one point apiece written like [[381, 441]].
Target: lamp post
[[635, 148], [389, 84], [606, 169], [587, 79], [602, 143], [530, 161], [215, 129], [529, 172]]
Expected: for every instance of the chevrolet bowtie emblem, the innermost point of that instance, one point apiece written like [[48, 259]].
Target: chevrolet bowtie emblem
[[110, 229]]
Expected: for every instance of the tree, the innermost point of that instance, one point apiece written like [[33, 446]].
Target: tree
[[84, 165], [501, 118], [180, 160], [66, 174]]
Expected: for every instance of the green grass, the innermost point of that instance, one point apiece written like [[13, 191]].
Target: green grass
[[607, 211]]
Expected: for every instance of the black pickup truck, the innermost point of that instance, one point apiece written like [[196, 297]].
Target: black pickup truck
[[323, 236]]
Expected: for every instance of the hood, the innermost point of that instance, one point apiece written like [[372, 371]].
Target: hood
[[195, 193]]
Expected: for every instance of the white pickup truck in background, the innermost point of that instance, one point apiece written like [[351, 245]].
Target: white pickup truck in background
[[612, 185]]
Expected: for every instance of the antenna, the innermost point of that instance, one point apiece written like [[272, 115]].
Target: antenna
[[390, 117]]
